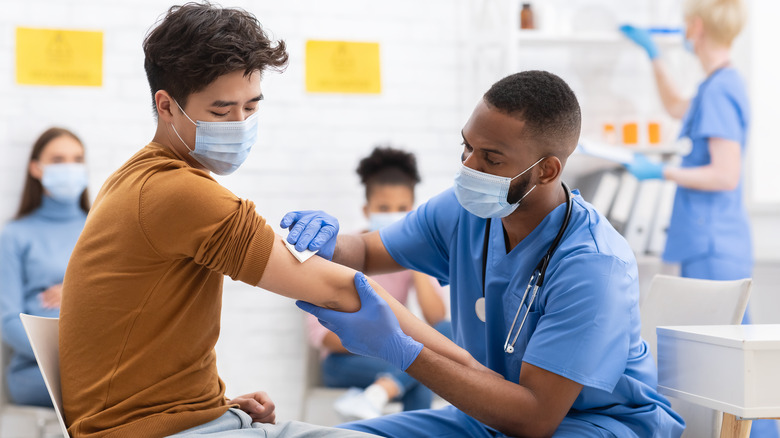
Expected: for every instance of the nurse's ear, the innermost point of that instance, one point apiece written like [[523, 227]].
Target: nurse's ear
[[550, 169], [164, 103]]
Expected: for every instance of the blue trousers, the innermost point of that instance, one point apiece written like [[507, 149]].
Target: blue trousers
[[347, 370], [722, 267], [449, 422], [25, 384]]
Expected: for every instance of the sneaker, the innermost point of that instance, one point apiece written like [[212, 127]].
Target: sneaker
[[354, 405]]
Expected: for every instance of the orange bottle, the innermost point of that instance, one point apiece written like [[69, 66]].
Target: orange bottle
[[526, 17], [654, 133], [630, 134]]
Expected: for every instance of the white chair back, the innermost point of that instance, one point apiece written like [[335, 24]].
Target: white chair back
[[686, 301], [43, 334]]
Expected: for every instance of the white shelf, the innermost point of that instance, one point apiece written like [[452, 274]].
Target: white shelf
[[539, 37]]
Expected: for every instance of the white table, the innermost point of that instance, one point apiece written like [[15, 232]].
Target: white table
[[730, 368]]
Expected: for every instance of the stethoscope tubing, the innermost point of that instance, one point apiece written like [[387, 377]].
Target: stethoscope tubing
[[537, 277]]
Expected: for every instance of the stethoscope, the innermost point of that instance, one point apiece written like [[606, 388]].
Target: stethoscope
[[536, 281]]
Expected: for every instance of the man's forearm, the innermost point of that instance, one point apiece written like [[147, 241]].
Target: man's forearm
[[484, 395], [350, 251]]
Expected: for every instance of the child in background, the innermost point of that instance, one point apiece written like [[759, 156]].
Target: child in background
[[35, 248], [389, 176]]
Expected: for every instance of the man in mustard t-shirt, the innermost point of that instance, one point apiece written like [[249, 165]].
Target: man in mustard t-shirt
[[143, 290]]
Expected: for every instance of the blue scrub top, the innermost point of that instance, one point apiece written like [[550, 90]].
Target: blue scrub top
[[712, 222], [584, 324]]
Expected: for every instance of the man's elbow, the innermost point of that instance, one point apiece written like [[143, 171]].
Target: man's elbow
[[342, 297]]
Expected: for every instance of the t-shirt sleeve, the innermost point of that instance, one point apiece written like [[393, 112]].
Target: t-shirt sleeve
[[719, 114], [186, 214], [584, 332], [421, 241]]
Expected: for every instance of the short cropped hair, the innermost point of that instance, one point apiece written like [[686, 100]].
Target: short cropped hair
[[387, 166], [196, 43], [546, 104], [723, 20]]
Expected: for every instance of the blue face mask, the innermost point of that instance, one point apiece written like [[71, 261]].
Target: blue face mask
[[484, 195], [221, 147], [65, 182], [687, 44], [377, 221]]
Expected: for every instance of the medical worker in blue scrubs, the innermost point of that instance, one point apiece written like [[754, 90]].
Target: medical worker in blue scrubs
[[578, 367], [709, 233]]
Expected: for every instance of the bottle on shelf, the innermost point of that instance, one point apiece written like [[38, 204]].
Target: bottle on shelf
[[526, 17], [653, 133], [608, 134], [630, 134]]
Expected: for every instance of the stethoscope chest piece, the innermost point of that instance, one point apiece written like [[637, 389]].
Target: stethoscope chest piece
[[479, 308]]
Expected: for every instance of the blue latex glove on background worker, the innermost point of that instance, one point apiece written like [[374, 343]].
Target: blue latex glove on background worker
[[372, 331], [313, 230], [642, 168], [642, 38]]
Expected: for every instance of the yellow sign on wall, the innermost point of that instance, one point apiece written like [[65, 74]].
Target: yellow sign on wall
[[59, 57], [342, 67]]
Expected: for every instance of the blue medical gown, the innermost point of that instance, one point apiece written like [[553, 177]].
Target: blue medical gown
[[584, 324], [712, 222]]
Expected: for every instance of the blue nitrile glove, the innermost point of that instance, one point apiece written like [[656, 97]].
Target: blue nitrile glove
[[372, 331], [642, 38], [312, 229], [643, 169]]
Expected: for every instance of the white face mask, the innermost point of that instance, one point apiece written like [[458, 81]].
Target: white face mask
[[377, 221], [484, 195], [221, 147], [65, 182]]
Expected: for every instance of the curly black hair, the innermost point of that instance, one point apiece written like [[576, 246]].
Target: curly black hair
[[198, 42], [545, 103], [388, 166]]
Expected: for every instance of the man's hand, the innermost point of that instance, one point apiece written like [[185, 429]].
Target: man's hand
[[51, 297], [371, 331], [313, 230], [258, 405]]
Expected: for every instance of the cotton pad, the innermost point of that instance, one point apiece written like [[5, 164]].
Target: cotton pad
[[302, 256]]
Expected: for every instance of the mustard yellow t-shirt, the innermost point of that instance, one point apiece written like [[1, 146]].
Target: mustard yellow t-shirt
[[142, 297]]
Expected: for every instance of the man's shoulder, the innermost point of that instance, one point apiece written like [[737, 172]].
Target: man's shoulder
[[156, 165], [595, 234]]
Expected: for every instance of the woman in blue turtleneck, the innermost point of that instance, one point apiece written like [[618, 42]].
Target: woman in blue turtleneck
[[34, 251]]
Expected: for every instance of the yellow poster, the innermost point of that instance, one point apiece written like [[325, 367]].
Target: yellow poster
[[342, 67], [59, 57]]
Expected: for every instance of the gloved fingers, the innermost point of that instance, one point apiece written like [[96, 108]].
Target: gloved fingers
[[640, 159], [290, 219], [324, 235], [296, 230], [309, 307], [366, 293], [306, 236]]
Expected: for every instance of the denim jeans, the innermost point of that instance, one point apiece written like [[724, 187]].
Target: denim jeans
[[347, 370], [237, 423]]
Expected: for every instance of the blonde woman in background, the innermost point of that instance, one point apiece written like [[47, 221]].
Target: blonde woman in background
[[709, 233]]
